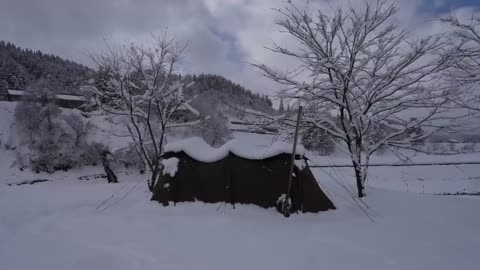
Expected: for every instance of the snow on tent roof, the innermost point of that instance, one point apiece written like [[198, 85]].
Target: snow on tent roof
[[199, 150]]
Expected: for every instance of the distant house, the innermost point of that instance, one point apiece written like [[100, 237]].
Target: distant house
[[62, 100]]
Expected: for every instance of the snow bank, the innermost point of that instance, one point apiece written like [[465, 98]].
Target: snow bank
[[199, 150], [170, 166]]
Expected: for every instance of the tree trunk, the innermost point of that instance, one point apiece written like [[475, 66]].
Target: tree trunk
[[153, 179], [158, 162], [357, 166], [359, 179], [111, 177]]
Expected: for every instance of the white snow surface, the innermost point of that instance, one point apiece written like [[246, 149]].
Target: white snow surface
[[170, 166], [199, 150], [77, 221], [77, 225]]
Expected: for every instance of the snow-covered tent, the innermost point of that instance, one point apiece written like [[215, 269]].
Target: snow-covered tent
[[237, 173]]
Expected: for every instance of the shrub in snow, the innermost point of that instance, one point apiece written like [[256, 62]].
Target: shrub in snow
[[50, 140], [214, 127], [214, 130], [469, 147], [318, 140]]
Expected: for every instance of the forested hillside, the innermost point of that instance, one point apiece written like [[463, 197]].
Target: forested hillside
[[20, 67], [226, 95]]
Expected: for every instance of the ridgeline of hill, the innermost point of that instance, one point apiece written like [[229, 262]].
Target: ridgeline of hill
[[215, 91], [21, 67]]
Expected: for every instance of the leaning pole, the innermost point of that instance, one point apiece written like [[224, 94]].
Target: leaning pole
[[286, 203]]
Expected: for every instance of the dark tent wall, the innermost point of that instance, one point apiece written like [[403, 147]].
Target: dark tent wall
[[235, 179]]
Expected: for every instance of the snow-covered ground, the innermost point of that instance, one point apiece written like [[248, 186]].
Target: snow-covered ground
[[78, 221], [73, 224]]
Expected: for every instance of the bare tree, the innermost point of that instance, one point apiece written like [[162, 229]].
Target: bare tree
[[360, 78], [464, 76], [141, 86]]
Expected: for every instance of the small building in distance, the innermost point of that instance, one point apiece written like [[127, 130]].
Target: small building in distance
[[63, 100]]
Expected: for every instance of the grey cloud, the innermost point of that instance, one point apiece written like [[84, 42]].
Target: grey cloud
[[57, 23], [71, 27]]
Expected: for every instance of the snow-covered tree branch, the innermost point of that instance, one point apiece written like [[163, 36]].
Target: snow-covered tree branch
[[464, 36], [361, 78], [139, 83]]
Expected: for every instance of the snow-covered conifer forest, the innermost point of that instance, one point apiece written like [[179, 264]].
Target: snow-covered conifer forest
[[240, 134]]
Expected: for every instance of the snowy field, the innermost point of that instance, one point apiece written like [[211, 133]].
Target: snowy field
[[77, 221], [74, 224]]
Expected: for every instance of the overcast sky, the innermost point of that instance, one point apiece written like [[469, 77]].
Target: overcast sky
[[224, 36]]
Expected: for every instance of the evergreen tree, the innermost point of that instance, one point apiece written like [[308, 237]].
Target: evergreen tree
[[19, 67], [14, 74], [103, 82]]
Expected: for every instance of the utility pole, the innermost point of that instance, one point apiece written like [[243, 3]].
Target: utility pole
[[286, 203]]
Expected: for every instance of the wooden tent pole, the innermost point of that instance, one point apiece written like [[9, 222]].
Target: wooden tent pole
[[286, 205]]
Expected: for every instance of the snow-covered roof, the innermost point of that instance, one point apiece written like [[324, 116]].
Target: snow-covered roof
[[16, 92], [58, 96], [199, 150], [70, 97]]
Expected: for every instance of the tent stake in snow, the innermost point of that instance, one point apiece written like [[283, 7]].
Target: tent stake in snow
[[286, 203]]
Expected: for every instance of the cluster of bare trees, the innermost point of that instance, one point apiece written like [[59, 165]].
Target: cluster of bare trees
[[361, 78]]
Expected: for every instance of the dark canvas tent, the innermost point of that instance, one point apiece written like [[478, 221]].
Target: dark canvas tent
[[233, 174]]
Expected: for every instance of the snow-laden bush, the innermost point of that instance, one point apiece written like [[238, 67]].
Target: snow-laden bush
[[214, 130], [50, 139], [318, 141], [214, 126]]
